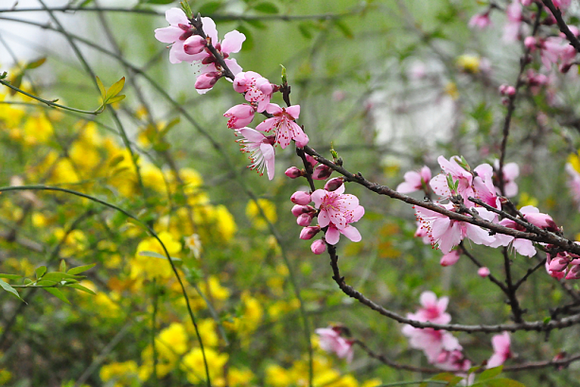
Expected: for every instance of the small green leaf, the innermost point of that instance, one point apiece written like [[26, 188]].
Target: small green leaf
[[503, 382], [186, 8], [58, 294], [490, 373], [116, 160], [62, 266], [40, 271], [101, 88], [170, 125], [304, 29], [157, 1], [266, 8], [59, 276], [256, 24], [249, 42], [116, 88], [115, 99], [210, 7], [37, 63], [10, 289], [47, 282], [344, 28], [80, 269], [82, 288], [10, 276]]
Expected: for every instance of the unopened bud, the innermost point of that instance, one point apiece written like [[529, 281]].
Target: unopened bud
[[300, 197], [305, 219], [318, 246], [483, 272], [293, 172], [322, 172], [309, 232], [298, 210], [334, 184]]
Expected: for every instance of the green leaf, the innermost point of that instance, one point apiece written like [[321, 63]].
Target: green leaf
[[266, 8], [304, 29], [256, 24], [37, 63], [80, 269], [503, 382], [344, 28], [116, 160], [10, 276], [101, 88], [210, 7], [81, 287], [58, 294], [157, 1], [170, 125], [40, 271], [10, 289], [115, 99], [47, 282], [62, 266], [59, 276], [116, 88], [490, 373]]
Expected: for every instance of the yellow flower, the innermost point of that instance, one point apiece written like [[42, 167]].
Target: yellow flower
[[172, 341], [122, 374], [254, 215], [240, 378], [225, 223], [37, 129], [468, 63], [193, 365], [277, 376], [575, 161], [151, 266]]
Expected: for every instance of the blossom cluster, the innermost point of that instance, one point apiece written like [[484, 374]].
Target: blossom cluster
[[441, 348], [190, 44], [335, 211], [455, 186]]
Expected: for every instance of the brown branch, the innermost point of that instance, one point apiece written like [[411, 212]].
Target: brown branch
[[562, 24], [539, 326]]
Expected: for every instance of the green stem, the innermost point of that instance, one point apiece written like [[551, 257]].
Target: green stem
[[52, 103], [145, 226]]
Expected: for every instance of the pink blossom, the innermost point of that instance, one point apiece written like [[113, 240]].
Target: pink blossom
[[179, 30], [257, 89], [299, 209], [512, 27], [415, 181], [432, 342], [333, 233], [557, 50], [331, 341], [501, 350], [305, 219], [483, 272], [194, 45], [284, 126], [531, 214], [335, 207], [480, 20], [453, 361], [261, 150], [450, 258], [457, 172], [446, 233], [510, 172], [574, 183], [240, 116], [318, 247], [433, 309], [562, 264]]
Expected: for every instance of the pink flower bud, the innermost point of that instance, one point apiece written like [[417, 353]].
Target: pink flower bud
[[318, 246], [240, 116], [311, 160], [333, 184], [309, 232], [322, 172], [305, 219], [293, 172], [558, 264], [483, 272], [450, 258], [298, 210], [194, 45], [300, 197], [207, 80], [530, 42], [574, 272]]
